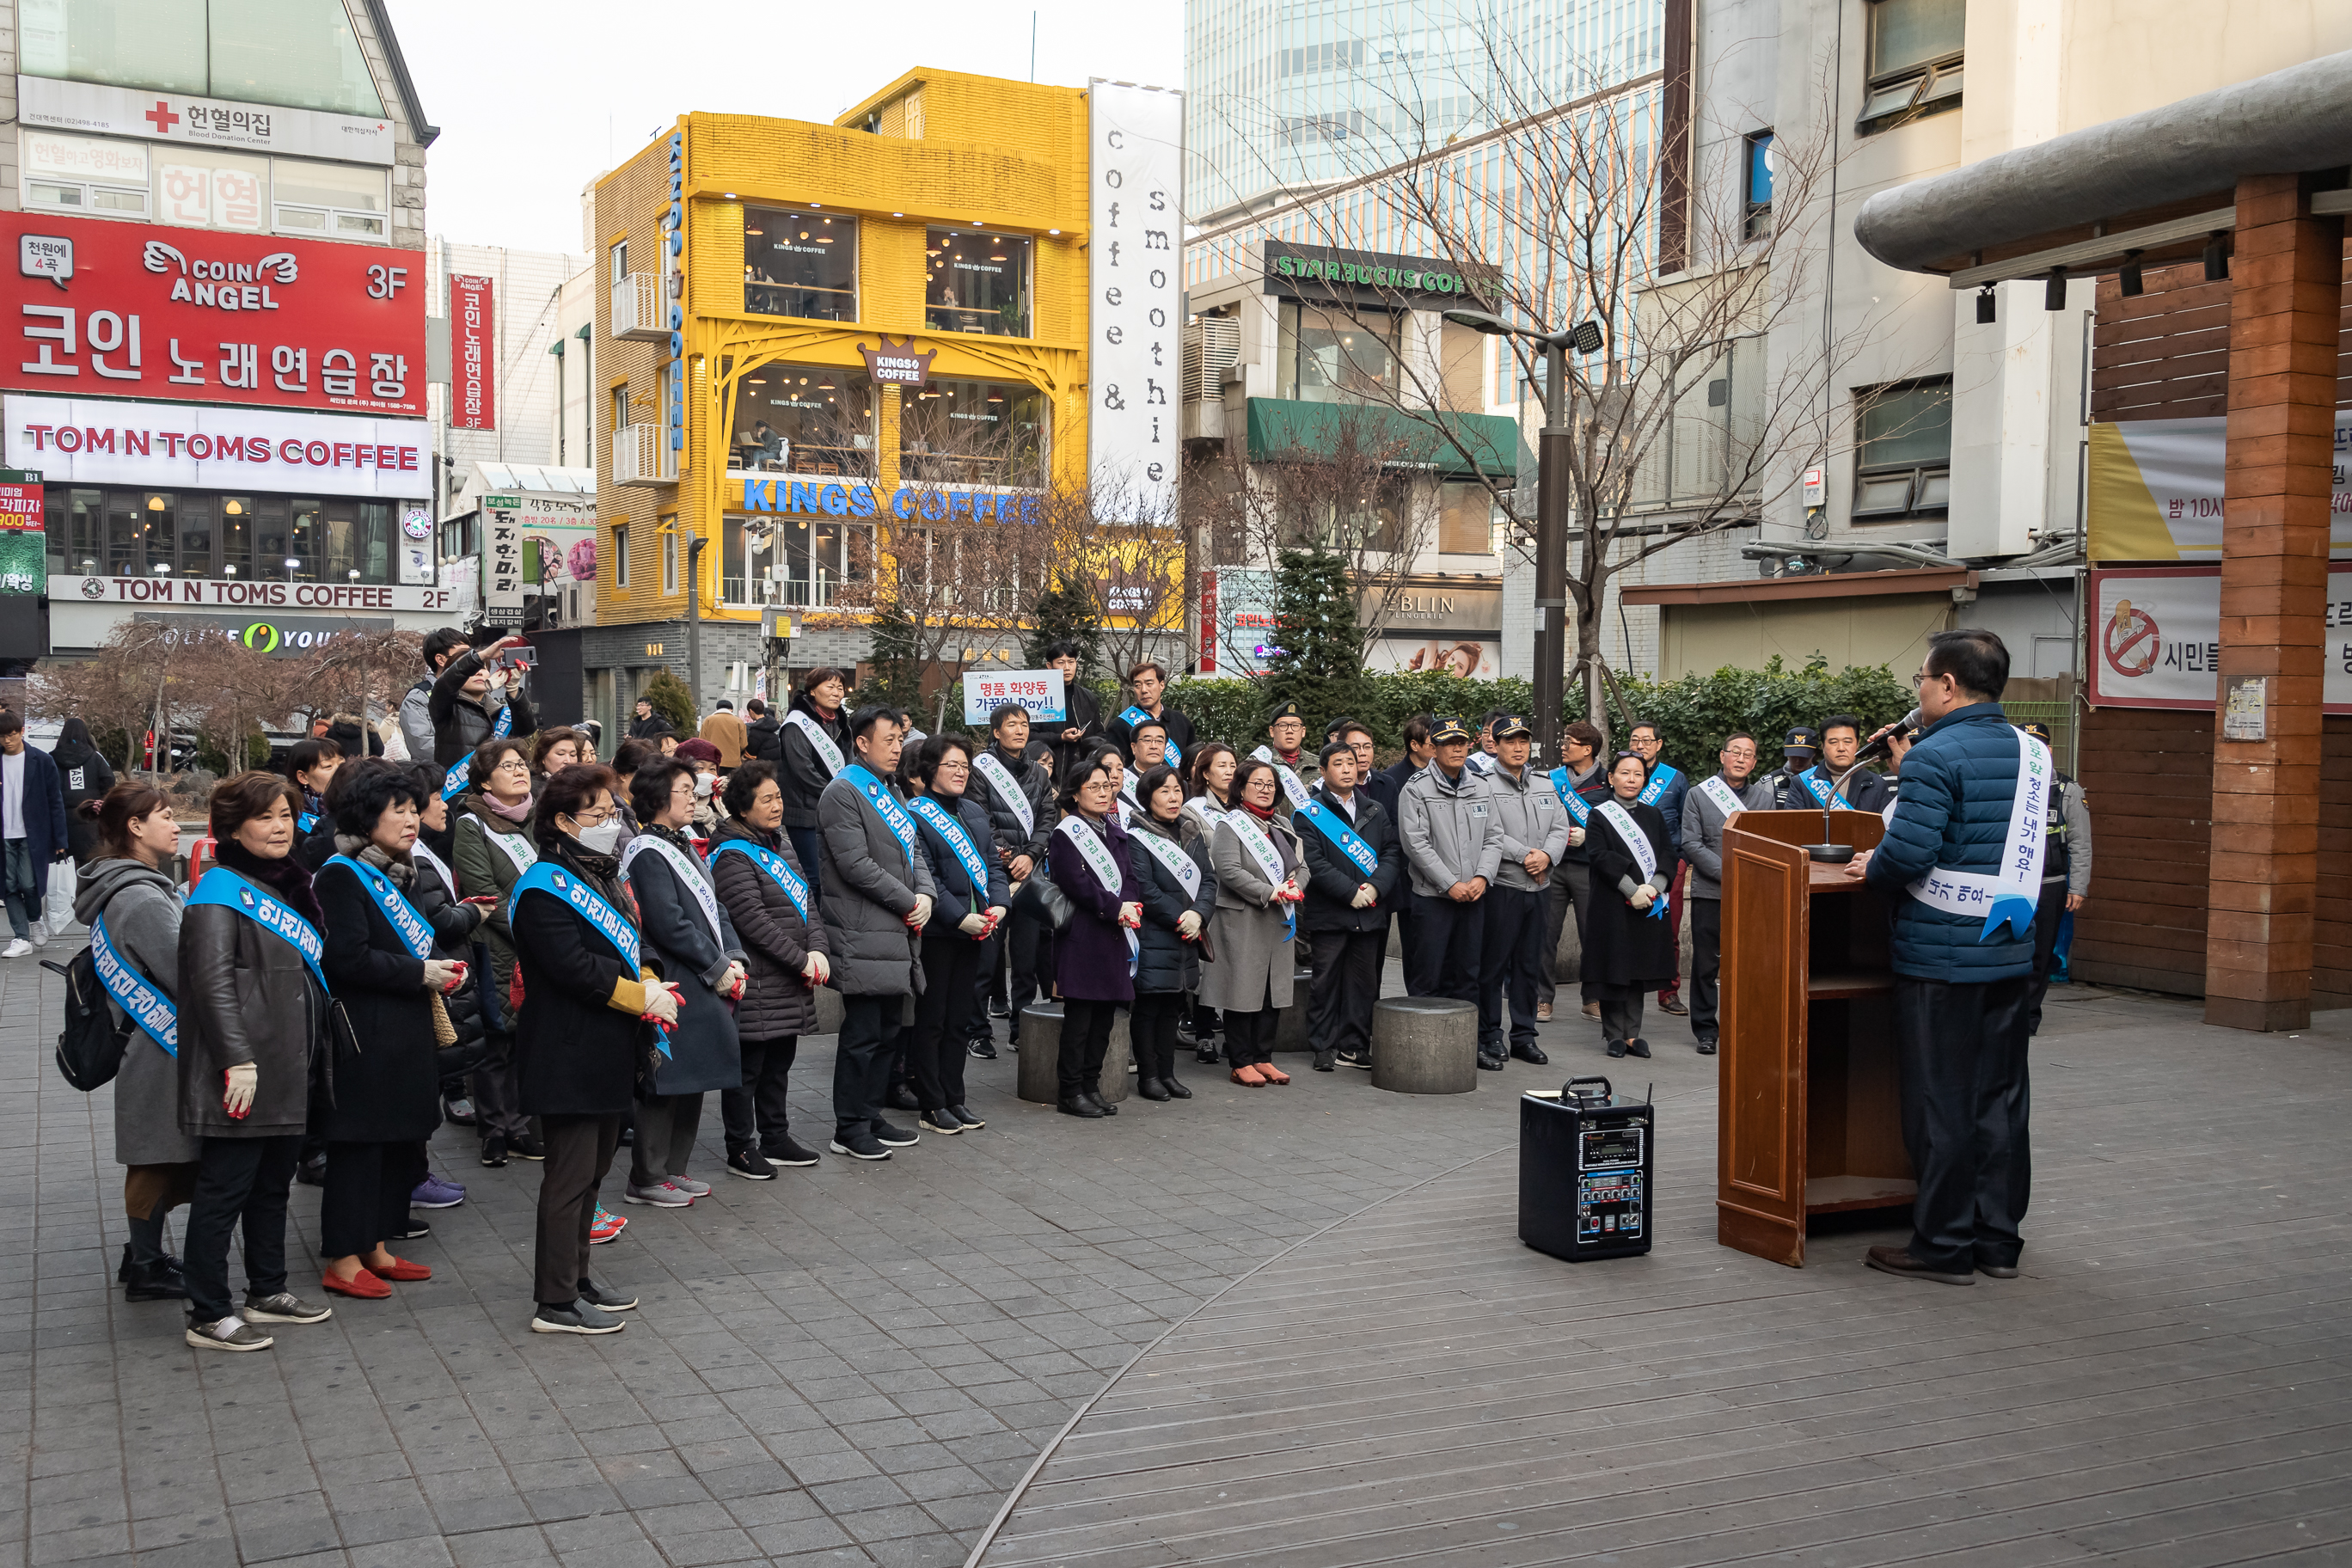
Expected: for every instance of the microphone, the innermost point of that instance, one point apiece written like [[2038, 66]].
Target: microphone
[[1878, 742]]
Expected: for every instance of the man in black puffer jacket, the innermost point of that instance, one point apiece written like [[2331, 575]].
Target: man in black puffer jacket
[[763, 737], [1348, 907], [1019, 798]]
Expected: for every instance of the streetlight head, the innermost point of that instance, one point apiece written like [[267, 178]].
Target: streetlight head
[[1585, 337], [1477, 322]]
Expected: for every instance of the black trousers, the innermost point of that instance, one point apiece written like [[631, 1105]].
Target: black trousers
[[1151, 1032], [805, 842], [579, 1153], [1346, 983], [942, 1014], [1444, 959], [1086, 1038], [861, 1062], [1249, 1037], [1029, 950], [756, 1115], [666, 1127], [366, 1200], [1706, 966], [2048, 912], [239, 1181], [1511, 966], [494, 1095], [1622, 1020], [1570, 890], [1965, 1103], [987, 980]]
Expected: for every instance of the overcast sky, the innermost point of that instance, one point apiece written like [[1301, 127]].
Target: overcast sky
[[534, 100]]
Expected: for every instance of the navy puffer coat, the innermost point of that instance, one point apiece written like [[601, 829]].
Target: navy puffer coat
[[1957, 786]]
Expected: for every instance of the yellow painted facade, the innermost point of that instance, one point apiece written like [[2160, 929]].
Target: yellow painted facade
[[932, 148]]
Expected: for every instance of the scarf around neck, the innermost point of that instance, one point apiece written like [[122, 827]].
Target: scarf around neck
[[283, 875]]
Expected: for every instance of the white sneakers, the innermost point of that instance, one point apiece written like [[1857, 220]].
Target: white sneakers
[[16, 949], [40, 933]]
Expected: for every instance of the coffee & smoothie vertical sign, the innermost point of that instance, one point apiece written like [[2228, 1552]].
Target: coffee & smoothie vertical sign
[[1134, 274]]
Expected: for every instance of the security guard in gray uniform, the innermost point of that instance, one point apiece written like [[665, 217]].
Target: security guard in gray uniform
[[2065, 876]]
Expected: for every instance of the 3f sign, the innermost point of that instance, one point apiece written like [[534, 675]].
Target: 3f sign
[[1136, 294]]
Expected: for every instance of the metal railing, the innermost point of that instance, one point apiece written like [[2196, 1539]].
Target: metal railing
[[637, 308], [642, 455]]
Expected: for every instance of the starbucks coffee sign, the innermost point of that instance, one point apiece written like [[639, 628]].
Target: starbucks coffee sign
[[1319, 272]]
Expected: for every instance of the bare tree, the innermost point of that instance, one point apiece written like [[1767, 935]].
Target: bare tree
[[1681, 426], [1129, 545]]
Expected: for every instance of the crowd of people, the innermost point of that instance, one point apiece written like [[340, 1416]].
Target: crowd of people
[[569, 953]]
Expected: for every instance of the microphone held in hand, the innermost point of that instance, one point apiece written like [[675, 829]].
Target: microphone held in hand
[[1877, 743]]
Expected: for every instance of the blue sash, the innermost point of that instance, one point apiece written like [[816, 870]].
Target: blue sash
[[950, 832], [1661, 780], [1821, 792], [885, 803], [1133, 715], [1577, 807], [226, 889], [452, 783], [546, 877], [1344, 838], [779, 869], [140, 1002], [412, 926], [306, 823]]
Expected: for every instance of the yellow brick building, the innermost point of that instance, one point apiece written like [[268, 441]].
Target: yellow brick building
[[809, 335]]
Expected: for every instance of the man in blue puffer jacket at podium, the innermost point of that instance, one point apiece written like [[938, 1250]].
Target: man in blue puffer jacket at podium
[[1961, 864]]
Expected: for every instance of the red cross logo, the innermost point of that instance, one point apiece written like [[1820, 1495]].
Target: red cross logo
[[162, 117]]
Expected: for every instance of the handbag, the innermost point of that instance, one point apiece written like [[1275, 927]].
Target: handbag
[[1041, 901]]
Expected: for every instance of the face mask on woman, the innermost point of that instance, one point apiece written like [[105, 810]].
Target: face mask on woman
[[602, 838]]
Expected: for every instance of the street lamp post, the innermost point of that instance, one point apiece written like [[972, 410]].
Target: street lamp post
[[694, 548], [1552, 457]]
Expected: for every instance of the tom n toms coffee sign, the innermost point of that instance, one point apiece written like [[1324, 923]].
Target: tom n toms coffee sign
[[1319, 272], [165, 446], [898, 364]]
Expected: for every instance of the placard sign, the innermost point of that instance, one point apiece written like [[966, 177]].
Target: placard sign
[[473, 361], [24, 542], [2155, 638], [1135, 305], [135, 310], [1038, 690]]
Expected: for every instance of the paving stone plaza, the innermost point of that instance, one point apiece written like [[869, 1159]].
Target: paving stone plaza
[[1295, 1326]]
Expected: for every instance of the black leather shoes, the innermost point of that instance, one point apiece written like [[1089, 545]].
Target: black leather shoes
[[901, 1097], [1532, 1053], [1898, 1261], [1707, 1047], [1105, 1106], [1672, 1002], [1616, 1047], [1491, 1063], [1326, 1062], [1080, 1106], [1206, 1054], [1175, 1090], [1639, 1047], [1151, 1088], [1989, 1270]]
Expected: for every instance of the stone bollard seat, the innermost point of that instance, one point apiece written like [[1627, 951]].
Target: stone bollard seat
[[1425, 1045], [1038, 1077]]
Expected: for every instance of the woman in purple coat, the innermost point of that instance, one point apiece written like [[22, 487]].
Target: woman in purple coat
[[1094, 955]]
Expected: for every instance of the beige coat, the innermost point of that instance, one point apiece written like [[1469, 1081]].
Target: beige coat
[[1254, 959]]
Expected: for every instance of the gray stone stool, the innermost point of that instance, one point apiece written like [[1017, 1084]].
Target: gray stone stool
[[1290, 1022], [829, 1011], [1425, 1045], [1040, 1078]]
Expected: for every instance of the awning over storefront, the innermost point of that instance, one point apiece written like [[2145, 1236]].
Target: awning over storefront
[[1457, 446]]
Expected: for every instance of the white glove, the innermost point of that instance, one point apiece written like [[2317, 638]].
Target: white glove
[[440, 974], [1365, 897], [973, 925], [731, 983], [1188, 924], [922, 915], [1575, 836], [815, 969], [1643, 897], [243, 1079], [661, 1005], [1130, 915]]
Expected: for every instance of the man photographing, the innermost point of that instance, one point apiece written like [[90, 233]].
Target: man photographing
[[1961, 863]]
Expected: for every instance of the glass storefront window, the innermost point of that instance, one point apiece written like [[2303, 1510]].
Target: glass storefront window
[[1337, 356], [196, 553], [306, 538], [979, 283], [806, 419], [158, 44], [801, 264], [792, 561], [299, 53], [972, 432], [236, 536], [1465, 520]]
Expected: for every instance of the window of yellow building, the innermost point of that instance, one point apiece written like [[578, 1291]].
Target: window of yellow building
[[668, 530], [799, 264], [979, 283], [972, 432], [795, 560], [806, 419]]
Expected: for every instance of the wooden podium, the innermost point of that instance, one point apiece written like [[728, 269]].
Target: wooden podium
[[1809, 1120]]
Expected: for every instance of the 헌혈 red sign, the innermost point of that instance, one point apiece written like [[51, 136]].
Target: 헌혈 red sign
[[125, 309], [473, 400]]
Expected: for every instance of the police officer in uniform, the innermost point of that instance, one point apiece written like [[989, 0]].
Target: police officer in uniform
[[1534, 827], [1787, 783], [2065, 876]]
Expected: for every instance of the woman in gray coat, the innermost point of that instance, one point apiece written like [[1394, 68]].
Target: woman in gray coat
[[690, 939], [772, 904], [875, 891], [132, 838], [1254, 853]]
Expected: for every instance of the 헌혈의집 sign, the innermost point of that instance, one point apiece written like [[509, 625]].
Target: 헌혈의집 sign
[[128, 310], [1135, 302]]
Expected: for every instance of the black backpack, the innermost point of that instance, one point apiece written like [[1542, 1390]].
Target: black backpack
[[91, 1047]]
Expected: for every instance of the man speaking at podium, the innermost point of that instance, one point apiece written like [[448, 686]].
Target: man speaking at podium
[[1961, 863]]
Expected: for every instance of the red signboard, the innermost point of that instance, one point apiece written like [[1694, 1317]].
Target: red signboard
[[473, 364], [20, 505], [134, 310]]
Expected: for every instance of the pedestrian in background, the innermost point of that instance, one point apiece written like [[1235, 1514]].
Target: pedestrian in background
[[474, 699], [33, 835], [773, 907], [726, 732], [83, 777], [762, 742]]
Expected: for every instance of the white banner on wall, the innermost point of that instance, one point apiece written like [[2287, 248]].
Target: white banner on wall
[[202, 122], [183, 445], [1135, 291], [2155, 638], [2153, 490]]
